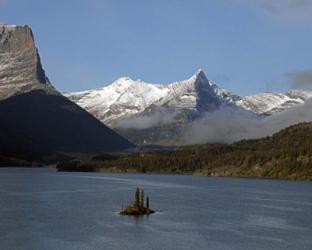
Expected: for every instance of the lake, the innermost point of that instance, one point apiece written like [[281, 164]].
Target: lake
[[46, 209]]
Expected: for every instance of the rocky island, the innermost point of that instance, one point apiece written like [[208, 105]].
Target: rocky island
[[137, 207]]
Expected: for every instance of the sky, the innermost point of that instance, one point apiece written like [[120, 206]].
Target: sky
[[245, 46]]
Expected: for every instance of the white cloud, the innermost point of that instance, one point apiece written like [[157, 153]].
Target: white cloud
[[301, 79], [160, 116], [283, 10], [226, 125]]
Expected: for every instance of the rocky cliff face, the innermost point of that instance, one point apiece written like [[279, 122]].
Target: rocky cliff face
[[20, 66], [36, 120]]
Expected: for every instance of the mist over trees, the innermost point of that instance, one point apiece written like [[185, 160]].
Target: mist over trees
[[287, 154]]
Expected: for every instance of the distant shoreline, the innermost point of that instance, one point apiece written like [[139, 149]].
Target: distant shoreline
[[188, 174], [158, 173]]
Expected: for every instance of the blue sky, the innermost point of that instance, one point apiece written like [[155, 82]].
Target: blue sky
[[245, 46]]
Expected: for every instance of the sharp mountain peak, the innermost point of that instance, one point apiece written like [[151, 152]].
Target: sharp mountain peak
[[20, 64]]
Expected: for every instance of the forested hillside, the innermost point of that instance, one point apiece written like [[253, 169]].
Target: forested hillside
[[287, 154]]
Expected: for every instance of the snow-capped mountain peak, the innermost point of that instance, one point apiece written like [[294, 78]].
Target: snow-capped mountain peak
[[270, 103], [195, 93], [123, 98], [126, 98], [200, 76]]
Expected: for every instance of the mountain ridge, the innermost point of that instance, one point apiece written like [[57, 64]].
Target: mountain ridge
[[177, 95], [168, 114], [107, 103]]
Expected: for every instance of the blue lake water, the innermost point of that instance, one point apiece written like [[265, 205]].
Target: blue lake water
[[45, 209]]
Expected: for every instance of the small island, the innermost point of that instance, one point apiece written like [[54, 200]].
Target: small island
[[137, 207]]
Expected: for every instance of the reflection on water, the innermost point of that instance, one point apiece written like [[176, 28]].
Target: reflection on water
[[44, 209]]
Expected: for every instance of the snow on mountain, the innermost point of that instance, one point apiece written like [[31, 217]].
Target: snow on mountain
[[121, 99], [127, 98], [195, 93], [271, 103]]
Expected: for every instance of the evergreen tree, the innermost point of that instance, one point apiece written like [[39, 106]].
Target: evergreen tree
[[142, 199], [137, 198], [147, 202]]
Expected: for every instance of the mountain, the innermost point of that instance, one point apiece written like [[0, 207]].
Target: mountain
[[123, 98], [148, 113], [270, 103], [154, 113], [126, 98], [36, 120], [20, 66]]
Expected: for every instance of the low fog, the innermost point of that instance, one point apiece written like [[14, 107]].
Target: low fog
[[226, 126], [301, 79], [159, 116]]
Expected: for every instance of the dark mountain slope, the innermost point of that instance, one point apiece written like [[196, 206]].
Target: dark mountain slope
[[36, 121], [41, 122]]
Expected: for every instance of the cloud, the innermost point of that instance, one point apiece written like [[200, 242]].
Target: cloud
[[283, 5], [284, 10], [301, 79], [222, 126], [159, 116], [227, 125]]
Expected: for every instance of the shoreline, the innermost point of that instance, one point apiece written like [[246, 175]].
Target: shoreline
[[188, 174], [160, 173]]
